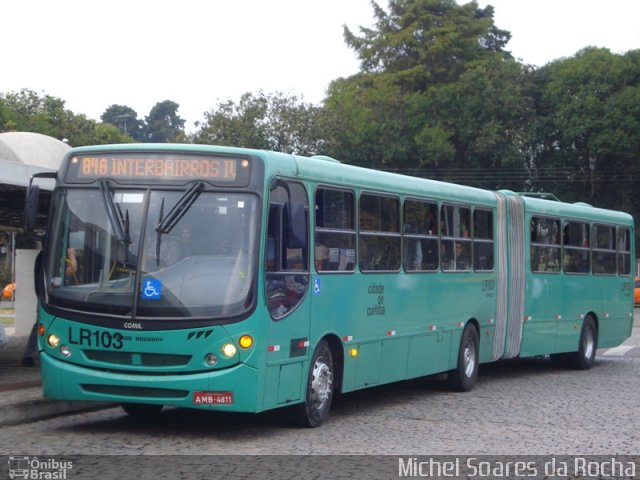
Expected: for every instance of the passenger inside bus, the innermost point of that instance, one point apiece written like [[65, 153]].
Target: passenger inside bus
[[71, 269], [459, 259], [413, 250], [548, 261]]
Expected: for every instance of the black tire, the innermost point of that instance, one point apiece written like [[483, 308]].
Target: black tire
[[464, 376], [314, 411], [585, 357], [141, 410]]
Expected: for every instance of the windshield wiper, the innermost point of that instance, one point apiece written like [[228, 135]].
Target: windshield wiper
[[119, 224], [166, 224]]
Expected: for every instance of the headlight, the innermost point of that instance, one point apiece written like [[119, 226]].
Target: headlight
[[53, 340], [211, 359], [229, 350]]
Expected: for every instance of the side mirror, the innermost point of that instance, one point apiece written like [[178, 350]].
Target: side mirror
[[32, 201], [31, 208]]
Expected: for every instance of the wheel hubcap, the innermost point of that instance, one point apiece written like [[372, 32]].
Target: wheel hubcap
[[589, 344], [321, 384], [469, 360]]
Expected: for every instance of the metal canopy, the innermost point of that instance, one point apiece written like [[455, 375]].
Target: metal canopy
[[21, 155]]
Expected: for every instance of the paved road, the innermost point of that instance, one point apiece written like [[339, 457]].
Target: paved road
[[518, 407]]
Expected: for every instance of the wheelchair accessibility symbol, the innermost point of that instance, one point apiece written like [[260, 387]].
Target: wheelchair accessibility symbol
[[151, 289], [316, 286]]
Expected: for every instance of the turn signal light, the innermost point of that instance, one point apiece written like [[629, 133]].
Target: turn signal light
[[41, 329], [245, 341]]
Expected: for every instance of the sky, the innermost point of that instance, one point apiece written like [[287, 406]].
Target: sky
[[199, 53]]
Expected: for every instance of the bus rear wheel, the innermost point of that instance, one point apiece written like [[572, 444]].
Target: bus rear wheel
[[314, 411], [464, 376], [585, 357]]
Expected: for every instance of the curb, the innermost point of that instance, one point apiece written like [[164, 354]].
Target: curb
[[38, 408]]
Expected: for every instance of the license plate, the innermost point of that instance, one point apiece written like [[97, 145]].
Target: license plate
[[212, 398]]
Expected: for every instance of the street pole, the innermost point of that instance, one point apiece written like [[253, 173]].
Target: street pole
[[13, 266]]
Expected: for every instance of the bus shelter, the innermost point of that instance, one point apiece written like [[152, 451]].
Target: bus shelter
[[21, 155]]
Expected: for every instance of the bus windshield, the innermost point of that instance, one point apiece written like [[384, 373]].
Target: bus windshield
[[112, 252]]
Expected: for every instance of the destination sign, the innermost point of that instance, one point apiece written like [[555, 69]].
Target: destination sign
[[158, 167]]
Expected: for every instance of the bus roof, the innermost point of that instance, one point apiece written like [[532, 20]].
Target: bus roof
[[330, 171], [576, 210]]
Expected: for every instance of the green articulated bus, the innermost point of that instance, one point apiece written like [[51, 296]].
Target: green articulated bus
[[242, 280]]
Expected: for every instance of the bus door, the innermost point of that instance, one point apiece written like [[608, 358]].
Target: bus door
[[576, 260], [286, 285], [544, 304]]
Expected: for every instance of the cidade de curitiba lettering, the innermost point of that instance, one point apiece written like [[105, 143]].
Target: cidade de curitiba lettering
[[376, 290], [473, 467]]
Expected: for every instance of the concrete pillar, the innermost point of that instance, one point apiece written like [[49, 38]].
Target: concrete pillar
[[26, 301]]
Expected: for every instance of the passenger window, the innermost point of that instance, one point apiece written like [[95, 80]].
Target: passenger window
[[604, 249], [420, 234], [483, 245], [576, 247], [545, 244], [379, 240], [287, 248], [335, 233], [455, 246], [624, 251]]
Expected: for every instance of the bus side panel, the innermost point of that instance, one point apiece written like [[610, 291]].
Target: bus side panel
[[615, 317], [543, 311], [288, 354], [390, 325], [576, 305]]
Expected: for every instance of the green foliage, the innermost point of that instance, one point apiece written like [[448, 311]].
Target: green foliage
[[29, 112], [426, 42], [273, 122], [369, 122], [587, 131], [437, 93], [125, 119], [486, 114], [163, 124]]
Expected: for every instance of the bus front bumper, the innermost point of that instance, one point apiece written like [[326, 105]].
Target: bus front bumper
[[232, 389]]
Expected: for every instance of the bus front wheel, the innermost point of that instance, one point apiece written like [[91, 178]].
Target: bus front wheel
[[463, 377], [314, 411]]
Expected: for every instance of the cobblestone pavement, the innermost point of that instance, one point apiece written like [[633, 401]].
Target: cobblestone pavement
[[519, 407]]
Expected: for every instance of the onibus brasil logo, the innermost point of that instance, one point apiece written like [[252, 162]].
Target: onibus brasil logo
[[38, 469]]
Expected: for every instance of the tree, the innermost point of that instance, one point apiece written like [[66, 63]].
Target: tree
[[486, 115], [425, 42], [30, 112], [437, 94], [265, 121], [587, 134], [125, 119], [163, 124]]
